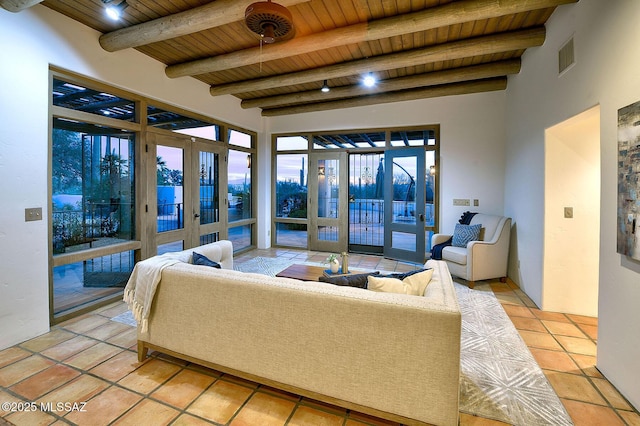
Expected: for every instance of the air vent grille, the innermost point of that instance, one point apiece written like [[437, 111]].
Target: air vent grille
[[566, 57]]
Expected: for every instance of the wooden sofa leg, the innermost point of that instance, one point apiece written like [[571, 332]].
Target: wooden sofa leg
[[503, 279], [142, 351], [472, 284]]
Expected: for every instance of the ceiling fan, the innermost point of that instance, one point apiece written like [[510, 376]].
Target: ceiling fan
[[270, 20]]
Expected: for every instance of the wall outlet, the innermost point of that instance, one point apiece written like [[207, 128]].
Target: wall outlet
[[476, 202], [568, 212], [461, 202], [33, 214]]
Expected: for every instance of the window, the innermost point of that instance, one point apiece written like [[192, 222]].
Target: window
[[95, 146], [163, 118], [77, 97], [366, 152], [93, 215], [92, 186]]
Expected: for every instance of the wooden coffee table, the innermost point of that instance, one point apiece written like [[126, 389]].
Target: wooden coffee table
[[302, 272]]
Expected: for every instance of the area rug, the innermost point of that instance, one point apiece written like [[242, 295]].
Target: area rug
[[126, 318], [499, 378]]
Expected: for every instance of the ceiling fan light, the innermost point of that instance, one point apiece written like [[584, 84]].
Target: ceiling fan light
[[268, 36], [269, 20]]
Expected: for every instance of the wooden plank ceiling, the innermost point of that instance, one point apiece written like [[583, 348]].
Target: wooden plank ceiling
[[415, 48]]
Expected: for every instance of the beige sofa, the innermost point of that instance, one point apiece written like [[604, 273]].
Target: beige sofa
[[389, 355]]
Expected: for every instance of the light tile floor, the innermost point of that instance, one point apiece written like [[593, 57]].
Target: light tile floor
[[92, 359]]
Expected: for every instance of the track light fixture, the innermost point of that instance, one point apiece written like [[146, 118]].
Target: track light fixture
[[325, 87], [114, 11]]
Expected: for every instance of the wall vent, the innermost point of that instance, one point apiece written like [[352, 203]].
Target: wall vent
[[566, 56]]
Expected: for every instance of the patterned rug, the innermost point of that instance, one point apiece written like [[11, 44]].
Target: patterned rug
[[499, 378]]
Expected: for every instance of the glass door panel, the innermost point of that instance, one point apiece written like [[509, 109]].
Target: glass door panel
[[328, 202], [366, 202], [430, 197], [404, 190], [170, 190], [208, 194], [405, 204], [208, 191]]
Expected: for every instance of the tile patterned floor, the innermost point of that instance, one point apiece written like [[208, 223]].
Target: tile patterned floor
[[92, 359]]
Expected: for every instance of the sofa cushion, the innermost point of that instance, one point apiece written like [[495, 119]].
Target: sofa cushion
[[464, 234], [200, 259], [353, 280], [414, 284]]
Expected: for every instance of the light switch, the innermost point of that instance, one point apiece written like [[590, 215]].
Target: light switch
[[568, 212], [33, 214]]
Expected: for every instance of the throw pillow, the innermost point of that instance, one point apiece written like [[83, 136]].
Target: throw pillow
[[403, 275], [414, 284], [353, 280], [463, 234], [201, 259]]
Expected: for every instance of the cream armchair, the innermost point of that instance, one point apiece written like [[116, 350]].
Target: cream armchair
[[483, 259]]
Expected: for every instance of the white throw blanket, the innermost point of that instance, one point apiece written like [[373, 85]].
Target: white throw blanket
[[141, 287]]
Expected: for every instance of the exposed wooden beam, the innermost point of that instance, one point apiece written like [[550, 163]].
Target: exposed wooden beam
[[214, 14], [408, 95], [484, 45], [475, 72], [450, 14], [18, 5]]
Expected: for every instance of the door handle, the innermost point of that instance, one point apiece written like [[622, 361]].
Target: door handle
[[421, 216], [196, 215]]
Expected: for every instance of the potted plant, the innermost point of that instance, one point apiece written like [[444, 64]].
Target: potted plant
[[333, 262]]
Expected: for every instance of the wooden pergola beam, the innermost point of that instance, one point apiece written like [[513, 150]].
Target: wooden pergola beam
[[408, 95], [484, 45], [450, 14], [18, 5], [214, 14], [475, 72]]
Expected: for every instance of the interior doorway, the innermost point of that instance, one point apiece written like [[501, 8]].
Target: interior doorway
[[572, 215]]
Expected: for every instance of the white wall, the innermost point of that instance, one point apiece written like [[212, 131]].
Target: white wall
[[30, 41], [572, 179], [606, 39], [471, 135]]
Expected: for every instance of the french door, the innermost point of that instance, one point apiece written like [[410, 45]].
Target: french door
[[404, 204], [188, 192], [328, 202]]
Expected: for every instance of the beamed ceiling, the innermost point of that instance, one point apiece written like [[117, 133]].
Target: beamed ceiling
[[416, 48]]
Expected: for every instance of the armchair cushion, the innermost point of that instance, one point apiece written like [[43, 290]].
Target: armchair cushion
[[464, 234]]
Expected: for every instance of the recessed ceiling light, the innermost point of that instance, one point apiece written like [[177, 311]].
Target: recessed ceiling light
[[369, 80], [114, 11]]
